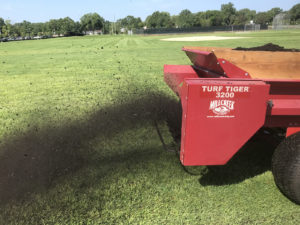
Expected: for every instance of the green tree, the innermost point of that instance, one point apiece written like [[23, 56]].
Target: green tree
[[67, 26], [25, 29], [262, 18], [130, 22], [17, 30], [267, 17], [39, 29], [228, 13], [2, 24], [294, 13], [272, 13], [244, 16], [107, 27], [174, 19], [7, 29], [159, 20], [78, 28], [208, 18], [91, 22], [200, 20], [185, 19], [214, 17], [53, 26]]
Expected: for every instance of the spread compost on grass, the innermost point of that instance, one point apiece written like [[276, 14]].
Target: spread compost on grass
[[78, 143]]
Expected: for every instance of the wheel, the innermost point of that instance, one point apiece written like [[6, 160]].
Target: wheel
[[286, 167]]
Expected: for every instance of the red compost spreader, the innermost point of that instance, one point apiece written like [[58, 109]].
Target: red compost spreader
[[228, 95]]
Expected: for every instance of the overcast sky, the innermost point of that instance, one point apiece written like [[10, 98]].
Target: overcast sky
[[43, 10]]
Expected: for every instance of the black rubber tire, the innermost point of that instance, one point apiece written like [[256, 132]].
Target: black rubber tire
[[286, 167]]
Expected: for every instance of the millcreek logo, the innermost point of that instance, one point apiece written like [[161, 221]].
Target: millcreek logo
[[221, 107]]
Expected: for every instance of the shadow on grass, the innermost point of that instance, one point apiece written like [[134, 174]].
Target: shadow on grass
[[32, 161], [253, 159]]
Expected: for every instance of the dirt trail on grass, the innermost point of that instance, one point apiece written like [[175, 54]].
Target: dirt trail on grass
[[32, 161]]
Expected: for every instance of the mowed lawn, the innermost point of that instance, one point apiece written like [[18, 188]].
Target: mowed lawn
[[79, 145]]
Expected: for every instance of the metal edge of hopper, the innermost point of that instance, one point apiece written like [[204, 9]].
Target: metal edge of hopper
[[205, 60]]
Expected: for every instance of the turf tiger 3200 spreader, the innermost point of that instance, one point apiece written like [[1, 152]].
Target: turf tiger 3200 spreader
[[228, 95]]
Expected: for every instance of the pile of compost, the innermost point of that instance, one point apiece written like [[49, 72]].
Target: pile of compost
[[268, 47]]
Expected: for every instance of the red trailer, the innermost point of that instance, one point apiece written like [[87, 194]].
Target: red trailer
[[227, 96]]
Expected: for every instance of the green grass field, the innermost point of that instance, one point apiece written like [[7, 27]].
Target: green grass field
[[78, 142]]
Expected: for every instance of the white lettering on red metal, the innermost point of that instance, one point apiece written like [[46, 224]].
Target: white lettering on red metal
[[221, 107], [223, 97]]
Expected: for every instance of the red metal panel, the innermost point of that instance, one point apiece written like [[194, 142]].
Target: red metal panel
[[209, 61], [219, 116], [289, 88], [292, 130], [232, 71], [175, 75], [284, 97], [206, 60], [285, 107]]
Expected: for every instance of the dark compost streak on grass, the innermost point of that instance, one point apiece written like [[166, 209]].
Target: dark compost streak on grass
[[31, 162], [34, 160]]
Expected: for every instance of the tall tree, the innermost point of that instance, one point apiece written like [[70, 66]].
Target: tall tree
[[267, 17], [92, 22], [228, 11], [26, 28], [67, 26], [40, 29], [7, 29], [185, 18], [201, 20], [208, 18], [214, 17], [272, 13], [2, 24], [130, 22], [174, 19], [294, 13], [159, 20], [22, 29], [53, 26], [107, 27], [262, 18], [244, 16]]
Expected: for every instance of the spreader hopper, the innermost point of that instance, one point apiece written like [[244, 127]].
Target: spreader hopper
[[258, 64], [228, 95]]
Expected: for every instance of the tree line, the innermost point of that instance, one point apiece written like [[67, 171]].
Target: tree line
[[228, 15]]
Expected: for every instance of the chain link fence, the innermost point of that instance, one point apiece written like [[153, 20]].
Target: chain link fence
[[195, 29]]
